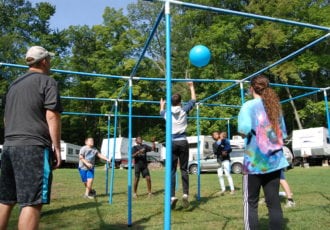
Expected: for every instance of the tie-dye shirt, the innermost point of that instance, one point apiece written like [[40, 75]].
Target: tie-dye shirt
[[263, 151]]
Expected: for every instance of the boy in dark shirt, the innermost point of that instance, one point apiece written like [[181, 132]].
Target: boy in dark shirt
[[139, 152]]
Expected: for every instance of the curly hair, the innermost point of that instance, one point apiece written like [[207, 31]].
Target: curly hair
[[270, 99]]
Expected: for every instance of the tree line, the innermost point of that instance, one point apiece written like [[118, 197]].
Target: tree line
[[239, 46]]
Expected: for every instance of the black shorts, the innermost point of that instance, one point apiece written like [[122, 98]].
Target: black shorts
[[141, 169], [26, 175]]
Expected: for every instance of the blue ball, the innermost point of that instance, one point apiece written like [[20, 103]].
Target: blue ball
[[199, 56]]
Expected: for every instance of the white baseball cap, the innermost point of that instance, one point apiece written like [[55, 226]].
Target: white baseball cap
[[37, 53]]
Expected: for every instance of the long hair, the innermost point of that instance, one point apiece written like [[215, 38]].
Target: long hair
[[270, 99]]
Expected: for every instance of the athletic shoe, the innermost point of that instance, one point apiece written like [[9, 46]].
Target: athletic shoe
[[135, 196], [92, 192], [173, 202], [150, 195], [185, 201], [290, 204], [232, 192], [88, 196]]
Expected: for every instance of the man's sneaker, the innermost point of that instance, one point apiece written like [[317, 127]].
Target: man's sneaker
[[135, 196], [185, 201], [92, 192], [88, 196], [232, 192], [290, 204], [173, 202]]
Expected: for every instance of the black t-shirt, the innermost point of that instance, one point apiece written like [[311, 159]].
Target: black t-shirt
[[141, 158], [27, 100]]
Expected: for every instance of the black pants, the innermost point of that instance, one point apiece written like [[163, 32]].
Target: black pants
[[180, 151], [270, 182]]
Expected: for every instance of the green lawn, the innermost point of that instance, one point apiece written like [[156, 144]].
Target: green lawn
[[69, 210]]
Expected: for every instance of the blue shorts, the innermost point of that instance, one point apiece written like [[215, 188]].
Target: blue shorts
[[86, 174], [26, 175]]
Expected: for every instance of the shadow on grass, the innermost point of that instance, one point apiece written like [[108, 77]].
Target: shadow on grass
[[263, 223], [82, 206]]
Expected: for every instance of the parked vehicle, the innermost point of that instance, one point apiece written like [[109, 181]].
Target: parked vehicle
[[210, 164], [205, 146], [119, 148], [289, 156], [311, 144], [70, 153]]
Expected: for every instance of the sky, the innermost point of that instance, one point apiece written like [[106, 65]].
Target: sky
[[81, 12]]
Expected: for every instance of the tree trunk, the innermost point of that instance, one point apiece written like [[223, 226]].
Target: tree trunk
[[296, 115]]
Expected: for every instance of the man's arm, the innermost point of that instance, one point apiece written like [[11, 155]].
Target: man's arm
[[101, 156], [54, 125], [162, 105], [192, 90]]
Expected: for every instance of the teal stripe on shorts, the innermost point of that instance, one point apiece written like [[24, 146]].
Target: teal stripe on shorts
[[45, 182]]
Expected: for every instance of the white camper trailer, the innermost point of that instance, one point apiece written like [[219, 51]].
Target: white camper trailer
[[121, 150], [70, 153], [311, 143], [205, 146]]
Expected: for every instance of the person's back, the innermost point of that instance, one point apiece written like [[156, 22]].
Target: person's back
[[180, 147], [25, 121], [260, 120]]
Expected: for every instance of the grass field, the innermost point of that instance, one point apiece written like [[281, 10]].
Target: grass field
[[69, 210]]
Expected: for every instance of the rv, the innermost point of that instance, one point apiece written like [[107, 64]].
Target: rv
[[205, 146], [70, 153], [311, 143], [121, 150]]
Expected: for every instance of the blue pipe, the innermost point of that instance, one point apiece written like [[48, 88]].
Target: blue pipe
[[129, 177], [198, 155], [249, 15], [327, 112], [168, 164]]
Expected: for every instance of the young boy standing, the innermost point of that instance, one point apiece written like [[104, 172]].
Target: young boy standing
[[87, 156]]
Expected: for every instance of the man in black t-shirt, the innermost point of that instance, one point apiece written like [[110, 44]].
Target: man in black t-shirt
[[32, 141], [139, 152]]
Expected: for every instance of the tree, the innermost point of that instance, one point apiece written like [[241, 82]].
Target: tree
[[21, 26]]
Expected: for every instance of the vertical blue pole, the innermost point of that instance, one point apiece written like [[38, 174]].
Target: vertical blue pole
[[198, 154], [242, 92], [228, 129], [129, 176], [327, 111], [113, 152], [168, 164], [107, 165]]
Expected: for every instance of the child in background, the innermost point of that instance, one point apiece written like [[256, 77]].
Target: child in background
[[87, 156]]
